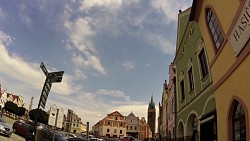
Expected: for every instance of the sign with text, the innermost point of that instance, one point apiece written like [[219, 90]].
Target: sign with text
[[241, 30], [52, 115]]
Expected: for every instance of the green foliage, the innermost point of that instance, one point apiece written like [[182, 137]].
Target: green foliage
[[21, 111], [42, 116], [11, 107]]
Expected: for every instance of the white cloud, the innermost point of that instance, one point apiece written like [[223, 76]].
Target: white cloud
[[114, 93], [89, 4], [169, 8], [128, 65], [5, 39], [160, 41], [80, 33], [24, 17], [16, 68], [2, 15], [94, 106]]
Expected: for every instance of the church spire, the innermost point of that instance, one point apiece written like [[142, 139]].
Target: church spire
[[151, 104]]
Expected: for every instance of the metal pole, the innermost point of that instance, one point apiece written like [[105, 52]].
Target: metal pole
[[34, 125], [55, 124], [87, 130]]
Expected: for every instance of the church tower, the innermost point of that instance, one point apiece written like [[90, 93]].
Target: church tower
[[152, 116]]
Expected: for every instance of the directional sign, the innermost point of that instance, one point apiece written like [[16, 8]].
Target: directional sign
[[45, 71], [56, 74], [52, 115], [45, 93]]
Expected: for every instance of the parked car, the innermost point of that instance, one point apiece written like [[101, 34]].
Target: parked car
[[95, 139], [23, 129], [4, 128], [48, 135], [77, 139]]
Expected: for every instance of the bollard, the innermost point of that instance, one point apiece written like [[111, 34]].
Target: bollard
[[39, 133]]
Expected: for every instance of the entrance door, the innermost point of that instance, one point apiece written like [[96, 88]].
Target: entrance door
[[209, 131]]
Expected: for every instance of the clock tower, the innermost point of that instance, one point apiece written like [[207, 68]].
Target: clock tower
[[152, 116]]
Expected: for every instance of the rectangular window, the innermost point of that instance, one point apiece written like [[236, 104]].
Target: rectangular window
[[108, 123], [191, 79], [120, 131], [182, 90], [114, 130], [131, 127], [135, 128], [121, 125], [108, 130], [203, 63]]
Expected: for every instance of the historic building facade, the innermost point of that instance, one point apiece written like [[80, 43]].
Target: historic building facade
[[5, 96], [132, 125], [152, 116], [77, 125], [113, 125], [226, 31], [171, 104], [162, 119], [195, 98], [144, 130]]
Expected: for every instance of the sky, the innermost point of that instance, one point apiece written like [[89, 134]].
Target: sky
[[115, 54]]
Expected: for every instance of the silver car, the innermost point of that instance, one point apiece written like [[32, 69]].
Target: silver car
[[4, 128]]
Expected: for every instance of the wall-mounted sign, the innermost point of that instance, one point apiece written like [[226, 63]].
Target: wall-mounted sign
[[241, 30]]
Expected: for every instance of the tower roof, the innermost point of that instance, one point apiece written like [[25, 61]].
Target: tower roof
[[151, 104]]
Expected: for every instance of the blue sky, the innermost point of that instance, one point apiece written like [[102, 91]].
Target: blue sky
[[115, 53]]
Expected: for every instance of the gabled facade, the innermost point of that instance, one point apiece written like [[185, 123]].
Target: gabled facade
[[132, 125], [144, 130], [226, 31], [76, 125], [171, 105], [194, 95], [5, 96], [162, 119], [113, 125]]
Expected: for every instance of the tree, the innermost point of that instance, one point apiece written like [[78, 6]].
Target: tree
[[21, 111], [11, 107], [42, 116]]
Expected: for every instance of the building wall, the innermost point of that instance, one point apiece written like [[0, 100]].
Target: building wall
[[194, 105], [229, 71], [113, 125], [132, 125], [171, 103], [162, 119], [144, 129]]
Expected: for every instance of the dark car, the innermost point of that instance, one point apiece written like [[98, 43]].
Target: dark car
[[77, 139], [4, 128], [48, 135], [23, 129]]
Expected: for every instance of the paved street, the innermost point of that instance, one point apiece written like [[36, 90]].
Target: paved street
[[13, 137]]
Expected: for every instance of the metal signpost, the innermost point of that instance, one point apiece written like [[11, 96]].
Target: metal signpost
[[53, 77]]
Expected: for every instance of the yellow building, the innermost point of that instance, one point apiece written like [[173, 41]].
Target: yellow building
[[225, 29], [76, 125]]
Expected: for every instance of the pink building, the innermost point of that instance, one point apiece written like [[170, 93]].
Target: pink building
[[171, 103]]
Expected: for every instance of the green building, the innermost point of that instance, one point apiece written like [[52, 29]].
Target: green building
[[195, 99]]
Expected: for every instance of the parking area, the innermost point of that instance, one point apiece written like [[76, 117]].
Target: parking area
[[13, 137]]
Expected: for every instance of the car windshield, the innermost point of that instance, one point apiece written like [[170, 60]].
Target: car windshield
[[1, 119]]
